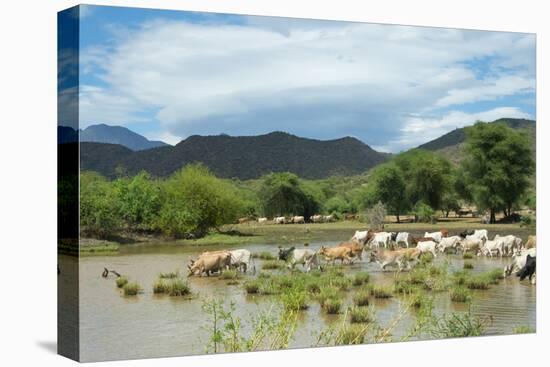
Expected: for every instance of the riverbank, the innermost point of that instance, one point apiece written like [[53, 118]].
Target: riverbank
[[241, 234]]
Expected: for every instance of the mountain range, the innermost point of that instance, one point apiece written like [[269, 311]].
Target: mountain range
[[105, 148]]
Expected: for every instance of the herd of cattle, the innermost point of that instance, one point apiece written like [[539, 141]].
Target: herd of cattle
[[396, 249], [294, 219]]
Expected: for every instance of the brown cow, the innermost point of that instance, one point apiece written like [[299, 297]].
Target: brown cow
[[210, 262], [355, 247], [334, 253], [444, 232], [400, 257]]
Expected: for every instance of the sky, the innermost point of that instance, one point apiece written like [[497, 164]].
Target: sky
[[171, 74]]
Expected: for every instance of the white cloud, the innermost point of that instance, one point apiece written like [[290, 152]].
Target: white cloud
[[319, 79], [418, 129]]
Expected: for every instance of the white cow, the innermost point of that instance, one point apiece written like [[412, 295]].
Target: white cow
[[329, 218], [437, 236], [491, 246], [316, 218], [361, 236], [402, 237], [511, 243], [240, 259], [298, 219], [519, 260], [427, 246], [381, 239], [293, 256], [448, 242], [479, 234], [279, 220], [262, 220]]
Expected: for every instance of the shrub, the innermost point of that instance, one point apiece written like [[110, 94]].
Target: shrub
[[359, 314], [419, 300], [121, 282], [131, 289], [376, 215], [424, 213]]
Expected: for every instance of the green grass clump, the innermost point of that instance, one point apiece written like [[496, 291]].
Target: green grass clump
[[360, 278], [121, 282], [170, 275], [264, 275], [178, 287], [160, 286], [230, 274], [252, 286], [352, 334], [264, 255], [523, 330], [273, 264], [480, 282], [295, 300], [379, 291], [420, 300], [467, 256], [460, 294], [494, 275], [332, 305], [361, 298], [468, 266], [359, 315], [313, 288], [131, 289], [341, 283]]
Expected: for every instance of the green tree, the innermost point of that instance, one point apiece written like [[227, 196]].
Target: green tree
[[99, 205], [139, 199], [426, 175], [498, 166], [284, 194], [195, 201], [389, 188]]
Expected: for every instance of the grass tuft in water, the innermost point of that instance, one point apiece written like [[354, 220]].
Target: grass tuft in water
[[170, 275], [359, 314], [523, 330], [131, 289], [273, 264], [121, 282], [460, 294], [264, 255], [468, 266], [360, 278], [361, 297]]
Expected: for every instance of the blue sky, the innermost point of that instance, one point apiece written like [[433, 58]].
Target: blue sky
[[171, 74]]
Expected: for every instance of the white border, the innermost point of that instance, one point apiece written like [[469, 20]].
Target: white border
[[28, 179]]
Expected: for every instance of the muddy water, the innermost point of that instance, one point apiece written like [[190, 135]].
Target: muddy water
[[147, 325]]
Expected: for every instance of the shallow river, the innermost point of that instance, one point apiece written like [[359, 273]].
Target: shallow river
[[148, 325]]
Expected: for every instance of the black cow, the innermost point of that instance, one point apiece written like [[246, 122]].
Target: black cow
[[466, 232], [529, 269], [284, 254]]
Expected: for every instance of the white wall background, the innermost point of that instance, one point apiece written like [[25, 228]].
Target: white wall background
[[28, 179]]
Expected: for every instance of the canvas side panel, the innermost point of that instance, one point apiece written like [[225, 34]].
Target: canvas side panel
[[67, 184]]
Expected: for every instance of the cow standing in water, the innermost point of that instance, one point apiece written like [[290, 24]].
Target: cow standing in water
[[293, 256]]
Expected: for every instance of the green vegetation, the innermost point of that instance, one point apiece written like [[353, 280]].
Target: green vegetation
[[169, 275], [264, 255], [361, 297], [230, 274], [468, 266], [497, 168], [131, 289], [460, 294], [332, 305], [121, 282], [359, 314], [360, 278], [379, 291], [523, 330], [273, 264]]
